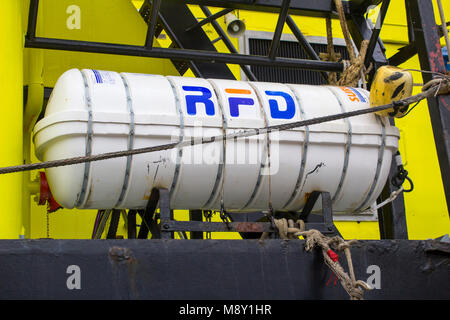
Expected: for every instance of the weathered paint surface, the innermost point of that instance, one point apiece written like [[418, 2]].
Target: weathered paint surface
[[216, 269]]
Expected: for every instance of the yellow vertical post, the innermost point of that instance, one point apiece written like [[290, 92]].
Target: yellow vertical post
[[33, 67], [11, 86]]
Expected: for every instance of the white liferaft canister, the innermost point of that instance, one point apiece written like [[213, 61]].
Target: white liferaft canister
[[92, 112]]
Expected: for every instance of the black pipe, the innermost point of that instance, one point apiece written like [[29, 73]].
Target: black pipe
[[310, 8], [177, 42], [32, 19], [180, 54], [152, 25], [376, 32], [301, 39], [304, 43], [209, 18], [279, 29]]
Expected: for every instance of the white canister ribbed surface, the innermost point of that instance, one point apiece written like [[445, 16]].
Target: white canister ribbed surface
[[92, 112]]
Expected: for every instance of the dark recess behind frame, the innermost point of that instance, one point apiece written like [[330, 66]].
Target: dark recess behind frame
[[289, 49]]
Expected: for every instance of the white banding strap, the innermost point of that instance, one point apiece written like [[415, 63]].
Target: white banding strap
[[126, 179], [379, 163], [179, 149], [88, 152], [221, 167], [218, 177], [347, 149], [263, 159], [258, 181], [301, 172]]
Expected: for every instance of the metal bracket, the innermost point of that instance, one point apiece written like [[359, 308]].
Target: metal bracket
[[148, 217], [168, 225], [327, 225]]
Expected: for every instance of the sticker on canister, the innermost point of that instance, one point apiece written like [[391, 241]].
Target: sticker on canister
[[103, 77], [353, 94]]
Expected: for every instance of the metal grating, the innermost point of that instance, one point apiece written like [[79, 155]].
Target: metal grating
[[289, 49]]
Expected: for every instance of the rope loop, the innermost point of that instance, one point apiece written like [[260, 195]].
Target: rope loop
[[442, 84], [287, 229]]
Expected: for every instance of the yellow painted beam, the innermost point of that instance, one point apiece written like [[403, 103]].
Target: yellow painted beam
[[11, 82]]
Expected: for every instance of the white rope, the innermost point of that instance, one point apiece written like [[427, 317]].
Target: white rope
[[392, 197]]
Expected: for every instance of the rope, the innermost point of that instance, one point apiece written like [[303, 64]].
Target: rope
[[440, 86], [352, 74], [443, 87], [391, 198], [356, 68], [314, 238], [332, 76], [344, 27]]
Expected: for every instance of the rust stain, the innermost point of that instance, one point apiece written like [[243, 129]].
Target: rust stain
[[307, 195], [248, 227], [147, 193], [443, 102], [121, 255], [89, 200]]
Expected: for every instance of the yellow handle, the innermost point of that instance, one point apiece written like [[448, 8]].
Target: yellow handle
[[390, 84]]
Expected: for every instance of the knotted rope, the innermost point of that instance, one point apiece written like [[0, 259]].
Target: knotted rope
[[290, 230], [355, 68], [392, 197], [331, 54], [441, 83]]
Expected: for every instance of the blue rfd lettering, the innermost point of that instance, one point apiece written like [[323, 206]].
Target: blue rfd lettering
[[275, 111], [236, 102], [204, 98]]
